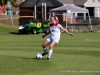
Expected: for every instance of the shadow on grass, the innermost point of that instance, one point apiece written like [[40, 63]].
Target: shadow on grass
[[15, 33], [33, 59]]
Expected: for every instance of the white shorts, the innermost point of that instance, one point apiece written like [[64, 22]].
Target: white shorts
[[53, 38]]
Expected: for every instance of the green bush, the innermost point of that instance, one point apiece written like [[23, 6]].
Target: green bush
[[95, 21], [84, 22]]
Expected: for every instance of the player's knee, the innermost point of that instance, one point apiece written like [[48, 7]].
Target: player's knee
[[43, 45], [51, 46]]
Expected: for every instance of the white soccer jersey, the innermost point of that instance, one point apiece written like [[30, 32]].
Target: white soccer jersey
[[55, 33], [55, 30]]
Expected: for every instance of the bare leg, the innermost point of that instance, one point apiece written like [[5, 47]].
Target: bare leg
[[52, 44], [46, 42]]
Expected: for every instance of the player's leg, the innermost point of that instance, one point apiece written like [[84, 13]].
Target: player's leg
[[52, 44], [45, 43]]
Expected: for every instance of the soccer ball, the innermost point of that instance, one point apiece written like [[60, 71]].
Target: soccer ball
[[38, 56]]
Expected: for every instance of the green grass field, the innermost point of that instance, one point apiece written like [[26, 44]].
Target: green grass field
[[78, 55]]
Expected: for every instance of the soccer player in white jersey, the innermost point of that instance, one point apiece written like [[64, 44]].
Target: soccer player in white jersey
[[54, 37]]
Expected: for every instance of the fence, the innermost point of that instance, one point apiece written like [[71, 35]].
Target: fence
[[4, 20], [82, 28]]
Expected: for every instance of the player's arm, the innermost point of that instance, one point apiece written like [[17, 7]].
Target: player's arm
[[45, 34], [71, 34]]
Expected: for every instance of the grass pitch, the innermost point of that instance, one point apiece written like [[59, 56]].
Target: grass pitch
[[78, 55]]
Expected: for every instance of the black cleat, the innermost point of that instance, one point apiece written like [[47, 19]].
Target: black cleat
[[48, 58], [44, 54]]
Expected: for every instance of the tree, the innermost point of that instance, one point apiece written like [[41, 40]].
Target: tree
[[1, 2], [13, 2]]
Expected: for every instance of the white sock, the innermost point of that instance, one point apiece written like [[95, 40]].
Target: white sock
[[45, 50], [50, 53]]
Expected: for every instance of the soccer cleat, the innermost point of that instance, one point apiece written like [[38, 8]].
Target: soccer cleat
[[48, 58], [44, 54]]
